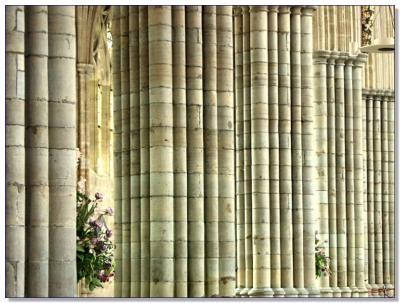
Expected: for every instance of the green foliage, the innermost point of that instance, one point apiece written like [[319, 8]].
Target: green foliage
[[321, 260], [94, 249]]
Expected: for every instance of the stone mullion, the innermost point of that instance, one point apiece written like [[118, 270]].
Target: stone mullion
[[391, 164], [341, 177], [247, 152], [210, 150], [161, 152], [274, 151], [37, 144], [321, 131], [385, 191], [226, 149], [240, 232], [116, 63], [285, 159], [15, 151], [125, 152], [308, 138], [134, 115], [180, 165], [333, 255], [359, 197], [297, 158], [378, 193], [144, 154], [349, 166], [62, 151], [260, 152], [195, 151], [370, 193]]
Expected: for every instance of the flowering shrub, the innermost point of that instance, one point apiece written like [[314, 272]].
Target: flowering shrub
[[321, 259], [94, 248]]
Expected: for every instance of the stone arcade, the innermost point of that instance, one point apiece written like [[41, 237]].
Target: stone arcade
[[225, 138]]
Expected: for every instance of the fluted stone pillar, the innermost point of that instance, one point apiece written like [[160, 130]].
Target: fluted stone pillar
[[297, 157], [308, 139], [332, 197], [240, 210], [180, 163], [349, 171], [247, 153], [378, 192], [116, 64], [321, 148], [15, 151], [285, 159], [37, 144], [260, 153], [273, 113], [359, 197], [341, 177], [62, 153]]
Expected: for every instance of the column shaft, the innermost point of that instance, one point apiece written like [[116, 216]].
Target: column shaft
[[391, 141], [37, 144], [62, 151]]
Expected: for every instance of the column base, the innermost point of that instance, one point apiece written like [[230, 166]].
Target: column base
[[326, 292], [303, 293], [245, 292], [238, 291], [354, 292], [261, 292], [290, 292], [381, 292], [362, 292], [345, 292], [278, 292], [336, 292], [389, 290], [313, 292], [374, 290]]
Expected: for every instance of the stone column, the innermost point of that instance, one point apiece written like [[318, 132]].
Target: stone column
[[331, 113], [161, 153], [116, 64], [15, 151], [260, 153], [247, 152], [240, 211], [226, 174], [144, 153], [385, 191], [134, 149], [308, 139], [274, 150], [62, 151], [349, 168], [391, 168], [321, 148], [370, 193], [180, 163], [37, 144], [359, 198], [378, 192], [125, 151], [194, 96], [285, 159], [341, 177], [211, 150], [297, 158]]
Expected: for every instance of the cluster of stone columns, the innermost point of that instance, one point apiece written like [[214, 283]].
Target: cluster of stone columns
[[380, 201], [275, 153], [40, 151], [173, 151]]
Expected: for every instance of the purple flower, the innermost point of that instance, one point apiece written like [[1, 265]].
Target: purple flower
[[101, 245], [109, 211], [98, 196], [94, 241], [102, 276], [108, 233], [93, 224]]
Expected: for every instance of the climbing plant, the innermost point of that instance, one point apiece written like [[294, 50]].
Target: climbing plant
[[321, 259]]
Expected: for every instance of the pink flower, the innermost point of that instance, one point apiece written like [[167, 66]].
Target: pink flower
[[81, 185], [109, 211], [98, 196]]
